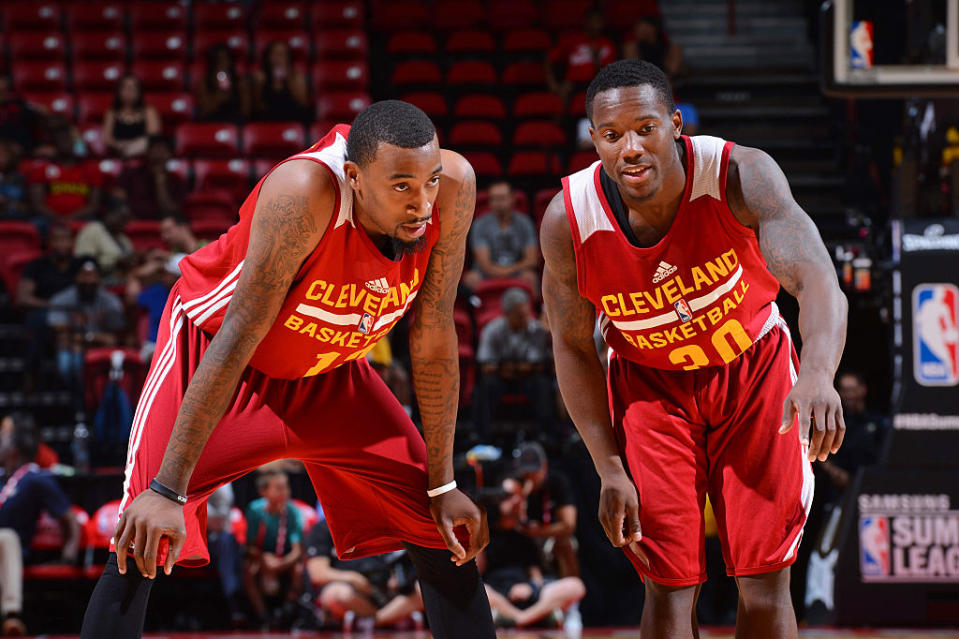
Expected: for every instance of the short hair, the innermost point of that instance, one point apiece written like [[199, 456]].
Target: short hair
[[25, 438], [629, 73], [178, 218], [265, 476], [859, 377], [55, 227], [391, 121], [513, 298], [502, 181]]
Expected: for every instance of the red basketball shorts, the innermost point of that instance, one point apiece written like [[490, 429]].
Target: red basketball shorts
[[714, 430], [364, 456]]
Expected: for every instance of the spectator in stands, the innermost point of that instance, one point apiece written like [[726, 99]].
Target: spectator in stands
[[19, 121], [273, 546], [365, 587], [130, 123], [176, 232], [579, 55], [225, 552], [27, 491], [13, 185], [279, 89], [148, 286], [222, 92], [82, 316], [504, 243], [151, 190], [514, 356], [66, 187], [105, 241], [648, 41]]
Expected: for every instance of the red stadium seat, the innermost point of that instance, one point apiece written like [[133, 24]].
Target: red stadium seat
[[490, 292], [160, 76], [262, 167], [297, 40], [103, 523], [98, 361], [166, 46], [174, 108], [508, 15], [458, 14], [31, 16], [622, 14], [480, 105], [110, 168], [180, 168], [339, 75], [210, 229], [577, 105], [527, 74], [12, 265], [40, 77], [527, 41], [485, 164], [35, 46], [58, 102], [464, 326], [339, 15], [48, 538], [401, 15], [282, 15], [145, 234], [211, 140], [475, 134], [238, 525], [533, 164], [417, 72], [18, 236], [539, 134], [220, 16], [223, 175], [105, 46], [540, 201], [92, 106], [566, 14], [94, 16], [341, 106], [471, 73], [307, 513], [411, 43], [236, 39], [470, 42], [97, 76], [538, 104], [432, 103], [92, 135], [341, 45], [212, 205], [273, 139], [520, 201], [580, 160], [152, 16]]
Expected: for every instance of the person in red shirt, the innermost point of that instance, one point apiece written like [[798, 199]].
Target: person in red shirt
[[679, 246], [66, 187], [578, 56]]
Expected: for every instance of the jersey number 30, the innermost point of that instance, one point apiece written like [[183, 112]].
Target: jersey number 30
[[692, 356]]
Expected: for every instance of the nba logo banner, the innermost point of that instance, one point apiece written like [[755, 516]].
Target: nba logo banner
[[935, 310], [683, 310], [874, 546], [365, 324]]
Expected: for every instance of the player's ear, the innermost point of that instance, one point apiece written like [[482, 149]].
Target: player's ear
[[677, 124], [352, 171]]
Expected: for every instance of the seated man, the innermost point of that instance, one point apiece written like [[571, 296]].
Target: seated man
[[362, 588], [514, 356], [273, 545], [504, 243]]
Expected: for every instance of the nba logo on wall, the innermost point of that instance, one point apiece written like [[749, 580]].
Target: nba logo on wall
[[874, 546], [935, 310]]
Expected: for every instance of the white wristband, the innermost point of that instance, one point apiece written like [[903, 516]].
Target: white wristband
[[445, 488]]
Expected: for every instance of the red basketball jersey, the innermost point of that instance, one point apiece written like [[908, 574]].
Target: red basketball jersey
[[700, 297], [345, 297]]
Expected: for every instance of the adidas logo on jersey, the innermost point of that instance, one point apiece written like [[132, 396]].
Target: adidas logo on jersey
[[663, 271], [380, 286]]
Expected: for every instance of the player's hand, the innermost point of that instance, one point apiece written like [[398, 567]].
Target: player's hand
[[360, 583], [454, 509], [145, 521], [619, 513], [816, 403]]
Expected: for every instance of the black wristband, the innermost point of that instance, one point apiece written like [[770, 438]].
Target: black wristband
[[169, 493]]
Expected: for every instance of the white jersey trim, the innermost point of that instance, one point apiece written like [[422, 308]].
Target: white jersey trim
[[707, 166], [334, 156], [587, 208]]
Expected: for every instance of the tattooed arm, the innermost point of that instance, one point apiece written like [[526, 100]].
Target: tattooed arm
[[760, 198], [294, 207], [435, 355], [580, 376]]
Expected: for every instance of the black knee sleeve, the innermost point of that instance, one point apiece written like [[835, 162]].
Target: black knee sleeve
[[118, 605], [455, 600]]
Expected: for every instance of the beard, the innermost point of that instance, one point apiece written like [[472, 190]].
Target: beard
[[401, 249]]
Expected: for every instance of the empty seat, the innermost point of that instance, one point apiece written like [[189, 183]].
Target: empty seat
[[11, 267], [400, 15], [580, 160], [92, 106], [282, 15], [508, 15], [151, 16], [35, 46], [174, 108], [339, 15], [411, 43], [339, 75], [416, 72], [31, 16], [341, 106], [56, 102], [180, 168], [210, 229], [525, 73], [232, 176], [470, 42], [216, 205], [538, 104], [621, 14], [18, 236], [342, 44], [485, 164], [480, 105], [472, 72], [160, 76], [527, 41], [211, 140], [110, 169], [167, 46], [566, 14], [475, 134], [218, 16], [97, 76], [297, 40], [94, 16], [273, 139], [540, 201], [236, 39], [92, 135], [539, 134], [106, 46], [432, 103], [458, 14], [40, 76], [145, 234], [533, 164], [577, 104]]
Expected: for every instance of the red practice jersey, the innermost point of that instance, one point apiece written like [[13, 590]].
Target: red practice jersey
[[700, 297], [345, 297]]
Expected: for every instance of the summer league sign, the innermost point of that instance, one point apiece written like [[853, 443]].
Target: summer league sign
[[926, 344]]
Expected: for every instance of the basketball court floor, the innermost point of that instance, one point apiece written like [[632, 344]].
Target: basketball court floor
[[603, 633]]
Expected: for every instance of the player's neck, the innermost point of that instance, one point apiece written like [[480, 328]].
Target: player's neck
[[660, 210], [380, 239]]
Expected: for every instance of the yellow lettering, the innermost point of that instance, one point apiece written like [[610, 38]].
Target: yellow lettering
[[738, 296], [658, 340], [701, 323], [685, 290], [361, 353], [324, 361], [309, 329], [716, 270], [391, 297], [317, 284], [744, 285], [714, 314], [622, 305], [328, 296], [729, 257], [658, 302], [629, 338], [405, 289], [672, 335], [688, 330], [326, 333], [339, 339], [669, 288], [355, 299], [728, 305], [690, 357], [637, 300], [606, 300], [699, 278], [721, 342], [293, 322], [371, 304], [643, 342], [344, 295], [354, 340]]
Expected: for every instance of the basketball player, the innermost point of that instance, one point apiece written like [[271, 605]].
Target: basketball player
[[261, 356], [680, 245]]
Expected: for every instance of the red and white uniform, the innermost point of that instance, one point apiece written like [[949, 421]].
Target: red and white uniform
[[701, 363], [308, 392]]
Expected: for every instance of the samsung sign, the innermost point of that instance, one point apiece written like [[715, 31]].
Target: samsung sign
[[934, 238]]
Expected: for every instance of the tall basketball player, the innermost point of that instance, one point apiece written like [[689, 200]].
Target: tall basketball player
[[261, 356], [679, 245]]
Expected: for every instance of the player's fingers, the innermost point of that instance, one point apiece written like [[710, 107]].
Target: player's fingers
[[840, 429], [789, 415], [139, 545], [455, 547], [634, 531], [817, 431], [121, 541], [473, 527], [150, 552], [802, 421], [821, 416], [639, 552], [177, 540], [617, 519]]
